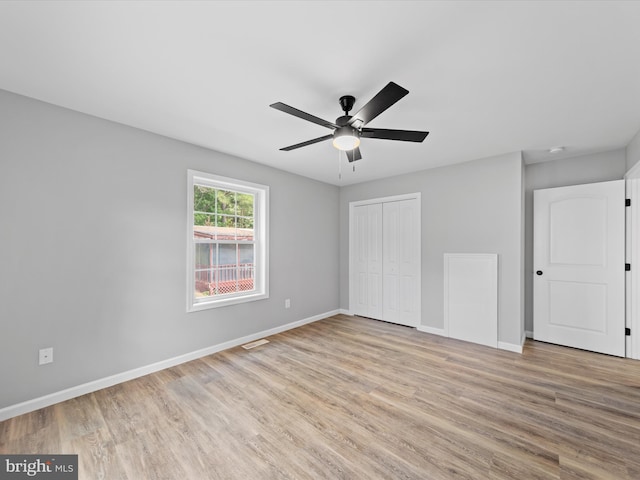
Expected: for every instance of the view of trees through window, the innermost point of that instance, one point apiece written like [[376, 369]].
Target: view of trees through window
[[222, 208], [223, 229]]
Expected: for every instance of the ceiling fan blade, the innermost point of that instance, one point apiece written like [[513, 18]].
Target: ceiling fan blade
[[308, 142], [353, 155], [303, 115], [402, 135], [378, 104]]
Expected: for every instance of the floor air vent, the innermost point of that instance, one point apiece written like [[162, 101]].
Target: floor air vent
[[257, 343]]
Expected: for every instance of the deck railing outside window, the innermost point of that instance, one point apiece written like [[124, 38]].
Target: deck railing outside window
[[221, 279]]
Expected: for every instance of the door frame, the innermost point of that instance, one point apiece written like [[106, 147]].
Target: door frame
[[632, 187], [394, 198]]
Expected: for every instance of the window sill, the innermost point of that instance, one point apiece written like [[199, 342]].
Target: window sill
[[224, 302]]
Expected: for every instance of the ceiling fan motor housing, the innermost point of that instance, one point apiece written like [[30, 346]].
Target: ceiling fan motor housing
[[346, 130], [343, 120]]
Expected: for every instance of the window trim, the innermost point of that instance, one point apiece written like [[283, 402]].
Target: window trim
[[261, 240]]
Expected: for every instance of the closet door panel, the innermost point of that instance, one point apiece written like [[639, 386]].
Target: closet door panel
[[409, 261], [374, 261]]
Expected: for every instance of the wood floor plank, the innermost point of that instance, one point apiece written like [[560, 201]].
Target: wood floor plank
[[353, 398], [97, 456]]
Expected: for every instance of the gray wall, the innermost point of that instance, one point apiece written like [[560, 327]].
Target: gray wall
[[93, 257], [473, 207], [599, 167], [633, 151]]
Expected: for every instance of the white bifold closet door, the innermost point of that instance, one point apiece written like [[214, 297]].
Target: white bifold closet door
[[368, 260], [387, 261]]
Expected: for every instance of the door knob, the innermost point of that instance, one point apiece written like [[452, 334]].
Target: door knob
[[539, 272]]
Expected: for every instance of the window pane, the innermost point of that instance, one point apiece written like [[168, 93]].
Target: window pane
[[245, 254], [205, 256], [204, 199], [246, 267], [245, 229], [245, 234], [245, 222], [226, 233], [228, 221], [204, 219], [227, 269], [226, 202], [245, 204], [227, 255], [203, 230]]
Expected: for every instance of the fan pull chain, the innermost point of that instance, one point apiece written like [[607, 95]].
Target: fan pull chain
[[339, 167]]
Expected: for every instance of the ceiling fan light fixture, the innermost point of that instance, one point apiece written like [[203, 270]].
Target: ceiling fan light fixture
[[346, 138]]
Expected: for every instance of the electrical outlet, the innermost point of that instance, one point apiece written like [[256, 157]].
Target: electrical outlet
[[287, 303], [46, 356]]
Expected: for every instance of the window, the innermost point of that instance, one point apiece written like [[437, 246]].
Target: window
[[227, 241]]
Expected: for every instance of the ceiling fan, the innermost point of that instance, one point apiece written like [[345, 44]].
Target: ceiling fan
[[347, 129]]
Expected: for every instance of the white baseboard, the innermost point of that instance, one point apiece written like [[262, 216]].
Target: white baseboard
[[344, 311], [501, 345], [73, 392], [511, 347], [432, 330], [528, 333]]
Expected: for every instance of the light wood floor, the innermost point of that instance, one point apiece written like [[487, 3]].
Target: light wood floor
[[356, 399]]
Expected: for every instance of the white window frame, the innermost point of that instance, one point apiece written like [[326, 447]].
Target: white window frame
[[261, 241]]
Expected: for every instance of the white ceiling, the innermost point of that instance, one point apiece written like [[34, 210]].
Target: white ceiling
[[485, 78]]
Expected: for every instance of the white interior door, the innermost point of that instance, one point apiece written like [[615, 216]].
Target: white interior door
[[579, 267]]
